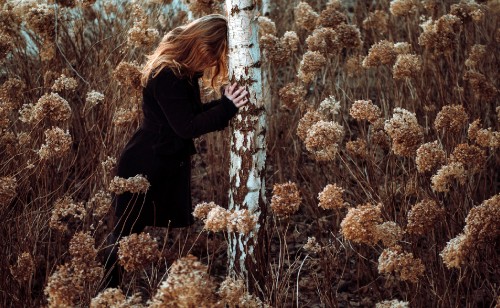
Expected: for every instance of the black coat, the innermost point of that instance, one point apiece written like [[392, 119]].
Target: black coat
[[161, 149]]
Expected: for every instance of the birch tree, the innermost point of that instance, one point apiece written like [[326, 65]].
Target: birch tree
[[248, 142]]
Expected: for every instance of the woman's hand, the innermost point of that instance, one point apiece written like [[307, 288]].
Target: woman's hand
[[236, 94]]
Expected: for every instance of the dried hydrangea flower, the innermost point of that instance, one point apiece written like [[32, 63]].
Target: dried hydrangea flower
[[402, 264], [470, 156], [292, 95], [64, 289], [331, 17], [128, 74], [266, 26], [114, 298], [64, 83], [41, 19], [137, 251], [24, 268], [354, 65], [323, 138], [348, 36], [6, 46], [389, 232], [365, 110], [357, 148], [430, 155], [11, 92], [392, 304], [482, 224], [440, 36], [290, 40], [83, 258], [201, 210], [329, 107], [402, 7], [217, 219], [142, 36], [187, 285], [66, 209], [312, 246], [456, 251], [277, 50], [441, 181], [468, 11], [92, 99], [57, 143], [99, 204], [124, 116], [331, 197], [231, 291], [8, 188], [476, 56], [312, 62], [482, 88], [51, 107], [306, 122], [203, 7], [323, 40], [381, 53], [286, 199], [376, 21], [402, 48], [423, 216], [108, 164], [135, 184], [451, 119], [405, 132], [488, 138], [241, 221], [407, 66], [359, 225], [305, 16]]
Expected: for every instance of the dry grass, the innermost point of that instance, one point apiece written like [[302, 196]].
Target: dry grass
[[384, 118]]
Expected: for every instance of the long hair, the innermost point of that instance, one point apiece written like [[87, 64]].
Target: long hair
[[199, 46]]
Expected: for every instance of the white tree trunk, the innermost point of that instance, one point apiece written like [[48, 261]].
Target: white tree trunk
[[248, 144]]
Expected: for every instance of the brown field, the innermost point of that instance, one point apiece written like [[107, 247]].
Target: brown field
[[382, 171]]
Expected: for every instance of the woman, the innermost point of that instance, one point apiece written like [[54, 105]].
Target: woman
[[173, 115]]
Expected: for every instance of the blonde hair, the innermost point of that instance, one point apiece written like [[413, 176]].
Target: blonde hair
[[199, 46]]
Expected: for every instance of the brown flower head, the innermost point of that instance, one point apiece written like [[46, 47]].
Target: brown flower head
[[471, 157], [66, 211], [306, 122], [389, 232], [403, 7], [365, 110], [407, 66], [423, 216], [312, 62], [442, 180], [24, 268], [331, 17], [360, 223], [292, 95], [405, 132], [357, 148], [440, 36], [402, 264], [128, 74], [482, 88], [64, 83], [323, 40], [381, 53], [348, 36], [323, 138], [376, 21], [456, 251], [8, 188], [451, 119], [331, 197], [201, 210], [135, 184], [429, 156], [476, 56], [286, 199], [57, 143], [137, 251], [305, 16]]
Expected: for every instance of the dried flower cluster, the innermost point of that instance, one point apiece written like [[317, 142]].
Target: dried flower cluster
[[482, 88], [280, 50], [402, 7], [83, 258], [312, 245], [392, 304], [63, 288], [402, 264], [451, 119], [135, 184], [331, 197], [50, 106], [440, 36], [11, 92], [405, 132], [312, 62], [305, 16], [306, 122], [99, 204], [430, 155], [423, 216], [329, 107], [381, 53], [286, 199], [325, 41], [476, 56], [65, 209], [365, 110], [292, 95], [57, 143], [137, 251], [389, 232], [128, 74], [24, 268], [407, 66], [187, 285], [41, 20], [8, 186], [359, 225], [357, 148], [217, 218], [114, 298], [376, 21], [234, 294], [323, 138], [468, 11], [470, 156], [142, 36], [125, 116], [92, 99], [331, 17], [442, 180], [64, 83]]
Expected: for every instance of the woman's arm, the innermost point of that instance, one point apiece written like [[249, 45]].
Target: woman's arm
[[173, 95]]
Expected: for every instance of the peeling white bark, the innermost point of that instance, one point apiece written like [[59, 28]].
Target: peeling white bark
[[248, 143]]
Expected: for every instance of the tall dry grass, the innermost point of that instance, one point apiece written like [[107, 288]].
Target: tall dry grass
[[382, 171]]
